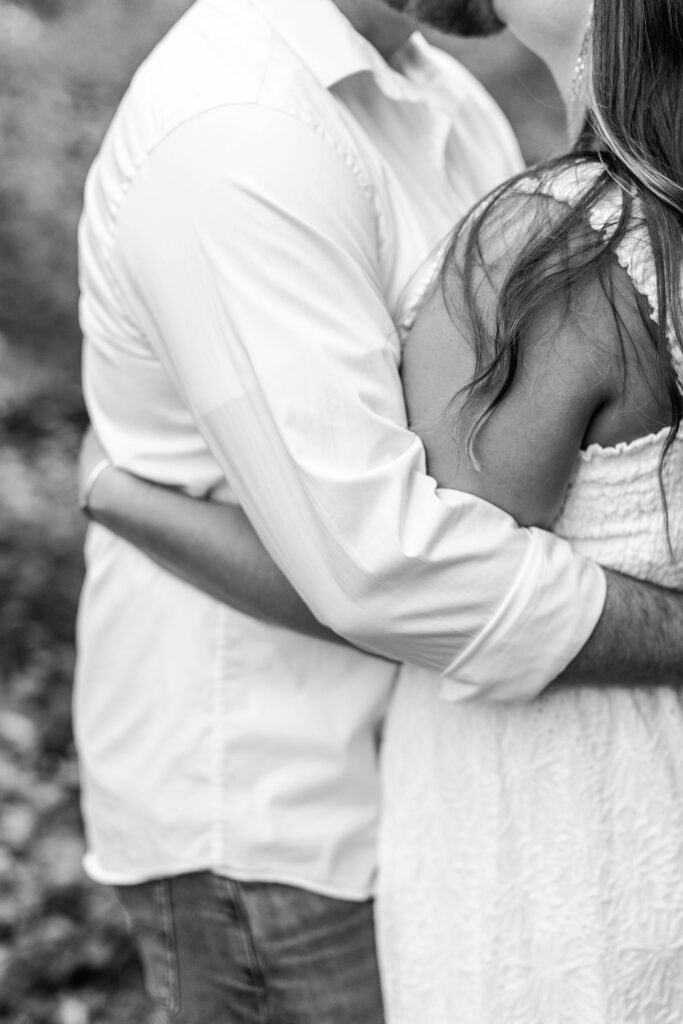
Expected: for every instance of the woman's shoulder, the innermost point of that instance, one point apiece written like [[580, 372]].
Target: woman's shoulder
[[554, 211], [585, 182], [566, 182], [584, 185], [576, 206], [604, 202]]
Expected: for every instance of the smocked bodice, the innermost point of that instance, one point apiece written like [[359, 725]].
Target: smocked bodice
[[614, 512]]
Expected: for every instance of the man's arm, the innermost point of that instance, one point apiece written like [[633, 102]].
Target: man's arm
[[637, 641], [247, 253]]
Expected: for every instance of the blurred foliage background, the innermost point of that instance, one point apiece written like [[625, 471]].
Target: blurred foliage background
[[65, 957]]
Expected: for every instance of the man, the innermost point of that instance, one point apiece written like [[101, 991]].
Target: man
[[252, 231]]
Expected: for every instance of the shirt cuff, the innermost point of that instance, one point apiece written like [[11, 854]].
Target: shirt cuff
[[542, 624]]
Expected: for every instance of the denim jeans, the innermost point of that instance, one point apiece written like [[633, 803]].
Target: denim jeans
[[216, 951]]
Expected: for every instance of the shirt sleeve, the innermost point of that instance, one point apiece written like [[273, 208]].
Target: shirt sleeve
[[247, 251]]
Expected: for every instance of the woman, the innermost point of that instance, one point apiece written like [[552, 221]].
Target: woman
[[532, 856]]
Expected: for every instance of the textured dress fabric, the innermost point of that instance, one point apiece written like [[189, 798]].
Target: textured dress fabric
[[532, 854]]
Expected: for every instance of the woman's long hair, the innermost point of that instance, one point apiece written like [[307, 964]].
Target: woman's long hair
[[633, 132]]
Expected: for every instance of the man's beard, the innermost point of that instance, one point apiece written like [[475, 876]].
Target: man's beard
[[457, 17]]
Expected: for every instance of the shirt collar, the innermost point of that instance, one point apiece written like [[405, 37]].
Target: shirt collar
[[334, 51], [331, 47]]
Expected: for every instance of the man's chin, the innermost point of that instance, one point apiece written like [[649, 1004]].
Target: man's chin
[[454, 17]]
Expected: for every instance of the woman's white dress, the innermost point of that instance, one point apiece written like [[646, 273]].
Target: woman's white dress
[[532, 855]]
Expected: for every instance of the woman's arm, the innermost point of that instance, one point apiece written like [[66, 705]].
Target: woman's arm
[[522, 457], [205, 543], [582, 375]]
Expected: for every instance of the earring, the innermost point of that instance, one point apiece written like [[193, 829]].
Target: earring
[[582, 59]]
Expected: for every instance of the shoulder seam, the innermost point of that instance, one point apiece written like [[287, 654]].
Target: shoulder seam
[[362, 182]]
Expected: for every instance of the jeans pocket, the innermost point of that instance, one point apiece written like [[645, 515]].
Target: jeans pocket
[[149, 909]]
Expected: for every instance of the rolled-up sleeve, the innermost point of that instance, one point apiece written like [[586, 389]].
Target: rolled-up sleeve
[[247, 252]]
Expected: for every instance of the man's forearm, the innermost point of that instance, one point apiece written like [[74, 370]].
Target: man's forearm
[[638, 640]]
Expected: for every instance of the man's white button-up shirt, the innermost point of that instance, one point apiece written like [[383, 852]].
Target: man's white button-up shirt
[[254, 232]]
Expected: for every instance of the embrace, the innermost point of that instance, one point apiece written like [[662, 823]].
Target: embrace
[[378, 694]]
